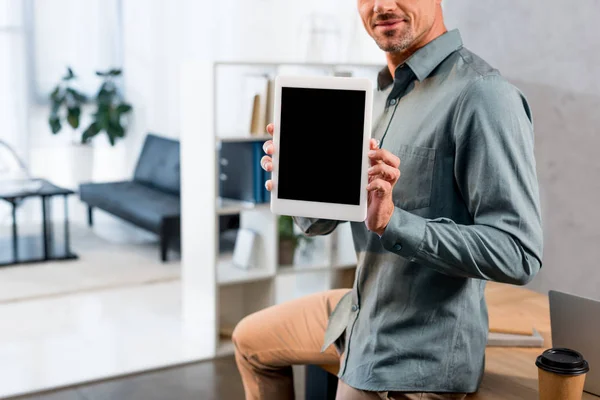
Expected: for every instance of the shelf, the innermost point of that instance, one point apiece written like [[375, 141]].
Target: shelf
[[344, 266], [245, 138], [294, 269], [275, 64], [231, 206], [228, 274]]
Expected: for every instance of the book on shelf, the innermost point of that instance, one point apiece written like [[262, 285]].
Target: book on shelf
[[269, 102], [257, 96], [258, 119]]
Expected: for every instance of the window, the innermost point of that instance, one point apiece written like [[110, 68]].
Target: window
[[13, 78], [85, 35]]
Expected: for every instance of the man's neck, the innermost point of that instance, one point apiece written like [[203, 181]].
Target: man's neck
[[398, 58]]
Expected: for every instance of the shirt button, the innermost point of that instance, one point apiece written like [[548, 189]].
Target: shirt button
[[393, 101], [397, 247], [354, 307]]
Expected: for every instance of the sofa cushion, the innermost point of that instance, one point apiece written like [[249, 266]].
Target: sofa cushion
[[134, 202], [158, 164]]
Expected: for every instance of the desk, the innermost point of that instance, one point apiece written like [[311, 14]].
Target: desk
[[510, 373]]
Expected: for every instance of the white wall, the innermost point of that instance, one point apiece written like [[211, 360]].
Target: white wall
[[552, 52], [160, 35]]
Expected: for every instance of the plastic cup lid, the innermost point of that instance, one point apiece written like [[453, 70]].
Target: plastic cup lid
[[562, 361]]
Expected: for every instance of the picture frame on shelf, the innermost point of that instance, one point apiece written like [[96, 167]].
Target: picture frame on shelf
[[243, 251]]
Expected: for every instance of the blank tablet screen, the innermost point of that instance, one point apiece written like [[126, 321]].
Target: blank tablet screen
[[321, 145]]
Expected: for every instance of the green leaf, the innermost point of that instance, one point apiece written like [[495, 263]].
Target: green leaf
[[112, 135], [54, 123], [55, 96], [124, 108], [77, 96], [286, 226], [116, 129], [90, 132], [73, 114], [70, 75], [105, 96], [103, 118], [55, 107]]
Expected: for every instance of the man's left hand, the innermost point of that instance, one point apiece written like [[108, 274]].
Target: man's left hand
[[383, 175]]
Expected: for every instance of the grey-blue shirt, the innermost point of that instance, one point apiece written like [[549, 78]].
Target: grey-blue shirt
[[466, 211]]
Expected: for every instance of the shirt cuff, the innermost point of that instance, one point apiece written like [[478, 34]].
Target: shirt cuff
[[404, 233]]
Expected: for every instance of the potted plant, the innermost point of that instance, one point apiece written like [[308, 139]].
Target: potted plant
[[288, 240], [104, 112], [109, 113]]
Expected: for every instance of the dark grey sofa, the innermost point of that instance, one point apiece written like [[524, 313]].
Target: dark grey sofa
[[151, 200]]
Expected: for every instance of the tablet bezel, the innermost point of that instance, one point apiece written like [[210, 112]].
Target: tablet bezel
[[312, 209]]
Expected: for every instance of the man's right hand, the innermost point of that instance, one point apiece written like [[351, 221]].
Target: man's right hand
[[267, 162]]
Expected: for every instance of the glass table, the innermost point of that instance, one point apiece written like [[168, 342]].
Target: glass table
[[37, 248]]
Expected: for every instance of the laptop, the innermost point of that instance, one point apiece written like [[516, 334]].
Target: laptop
[[575, 325]]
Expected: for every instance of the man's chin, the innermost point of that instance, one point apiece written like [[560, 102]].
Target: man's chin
[[393, 45]]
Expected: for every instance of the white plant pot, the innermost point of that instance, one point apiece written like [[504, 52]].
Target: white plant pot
[[81, 163]]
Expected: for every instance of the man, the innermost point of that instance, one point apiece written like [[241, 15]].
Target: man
[[465, 210]]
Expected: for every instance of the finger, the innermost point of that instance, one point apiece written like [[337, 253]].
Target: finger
[[385, 156], [266, 163], [270, 129], [269, 185], [373, 144], [385, 171], [380, 186], [268, 147]]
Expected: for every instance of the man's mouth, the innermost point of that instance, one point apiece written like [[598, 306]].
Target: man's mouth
[[389, 23]]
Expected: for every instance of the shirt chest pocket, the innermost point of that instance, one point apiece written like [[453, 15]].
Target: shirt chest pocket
[[413, 189]]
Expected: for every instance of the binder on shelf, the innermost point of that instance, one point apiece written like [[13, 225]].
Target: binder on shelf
[[258, 172], [241, 175]]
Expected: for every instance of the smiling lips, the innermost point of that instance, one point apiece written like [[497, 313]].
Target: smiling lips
[[389, 23]]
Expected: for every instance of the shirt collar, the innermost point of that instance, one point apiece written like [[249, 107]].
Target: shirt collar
[[427, 58]]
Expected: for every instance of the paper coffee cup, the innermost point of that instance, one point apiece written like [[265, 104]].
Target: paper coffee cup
[[561, 374]]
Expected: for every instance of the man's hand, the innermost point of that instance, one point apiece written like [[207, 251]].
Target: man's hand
[[267, 162], [383, 175]]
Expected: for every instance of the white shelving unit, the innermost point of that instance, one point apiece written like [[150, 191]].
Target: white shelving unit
[[216, 293]]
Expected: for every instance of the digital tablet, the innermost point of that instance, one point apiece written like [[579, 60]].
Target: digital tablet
[[321, 141]]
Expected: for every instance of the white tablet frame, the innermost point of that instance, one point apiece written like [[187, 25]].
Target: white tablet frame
[[310, 209]]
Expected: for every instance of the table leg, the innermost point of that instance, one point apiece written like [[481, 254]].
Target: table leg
[[15, 238], [45, 227], [67, 236]]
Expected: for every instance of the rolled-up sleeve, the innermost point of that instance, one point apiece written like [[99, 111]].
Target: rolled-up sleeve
[[315, 226], [495, 174]]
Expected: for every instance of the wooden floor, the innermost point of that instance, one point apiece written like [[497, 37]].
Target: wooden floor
[[211, 380], [510, 373]]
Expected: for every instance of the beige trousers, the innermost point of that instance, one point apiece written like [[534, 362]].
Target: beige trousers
[[269, 342]]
